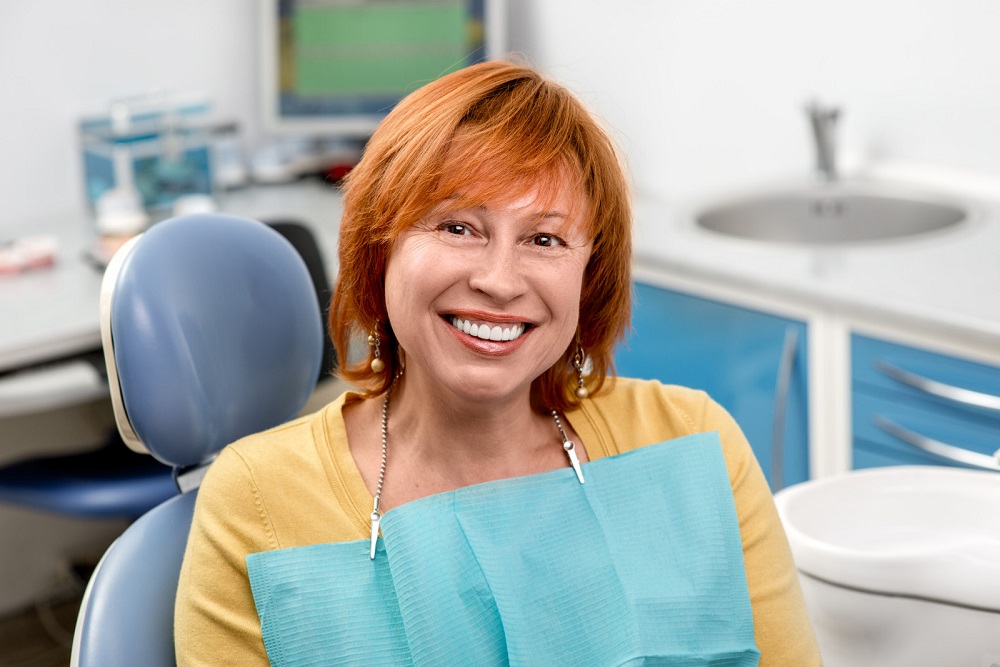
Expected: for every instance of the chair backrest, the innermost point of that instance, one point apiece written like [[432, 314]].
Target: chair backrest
[[211, 332], [307, 244]]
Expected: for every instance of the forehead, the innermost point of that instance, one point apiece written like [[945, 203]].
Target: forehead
[[551, 194]]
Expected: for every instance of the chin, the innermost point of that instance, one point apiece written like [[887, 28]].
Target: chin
[[488, 390]]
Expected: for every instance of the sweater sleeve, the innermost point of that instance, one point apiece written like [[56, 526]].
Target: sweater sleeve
[[215, 620], [782, 629]]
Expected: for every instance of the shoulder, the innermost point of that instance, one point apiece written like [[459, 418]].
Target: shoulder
[[246, 459], [631, 413], [275, 478], [635, 412], [291, 446], [627, 391], [271, 444], [261, 466], [241, 467]]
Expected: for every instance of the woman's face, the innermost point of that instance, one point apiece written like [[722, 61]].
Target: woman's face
[[483, 300]]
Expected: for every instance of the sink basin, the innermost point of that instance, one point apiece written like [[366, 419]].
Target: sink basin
[[899, 566], [923, 531], [831, 214]]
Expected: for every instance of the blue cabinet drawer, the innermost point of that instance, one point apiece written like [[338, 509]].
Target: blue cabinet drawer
[[918, 435], [913, 406], [955, 387], [872, 455], [736, 355]]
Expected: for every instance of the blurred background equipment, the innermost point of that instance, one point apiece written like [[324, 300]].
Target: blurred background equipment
[[330, 68]]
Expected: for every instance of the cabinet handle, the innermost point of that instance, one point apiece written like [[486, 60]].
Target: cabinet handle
[[781, 390], [938, 448], [946, 391]]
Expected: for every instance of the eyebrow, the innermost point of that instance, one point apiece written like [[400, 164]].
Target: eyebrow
[[543, 215]]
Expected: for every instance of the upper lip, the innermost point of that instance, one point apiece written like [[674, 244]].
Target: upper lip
[[493, 318]]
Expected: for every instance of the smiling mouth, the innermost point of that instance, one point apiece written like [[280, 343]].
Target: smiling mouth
[[487, 331]]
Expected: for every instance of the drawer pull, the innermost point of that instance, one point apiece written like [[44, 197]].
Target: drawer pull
[[938, 448], [786, 366], [956, 394]]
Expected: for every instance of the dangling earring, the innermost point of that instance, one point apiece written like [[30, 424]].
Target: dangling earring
[[580, 361], [375, 342]]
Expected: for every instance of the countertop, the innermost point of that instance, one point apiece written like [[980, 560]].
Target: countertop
[[947, 281], [52, 313]]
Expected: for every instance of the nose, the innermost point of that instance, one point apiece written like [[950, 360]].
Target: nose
[[498, 272]]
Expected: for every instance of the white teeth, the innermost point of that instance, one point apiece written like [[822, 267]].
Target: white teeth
[[487, 332]]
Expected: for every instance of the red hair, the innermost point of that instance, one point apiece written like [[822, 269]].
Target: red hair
[[487, 131]]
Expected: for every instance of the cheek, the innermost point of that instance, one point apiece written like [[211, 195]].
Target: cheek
[[414, 276], [569, 284], [397, 290], [563, 292], [400, 285]]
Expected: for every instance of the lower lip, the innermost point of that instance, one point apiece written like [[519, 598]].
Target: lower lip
[[489, 348]]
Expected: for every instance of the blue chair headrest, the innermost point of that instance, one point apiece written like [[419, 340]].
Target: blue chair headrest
[[211, 332]]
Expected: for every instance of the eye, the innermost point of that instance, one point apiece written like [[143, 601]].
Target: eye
[[547, 240], [456, 228]]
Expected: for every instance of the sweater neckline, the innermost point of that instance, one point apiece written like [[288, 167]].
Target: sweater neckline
[[345, 478]]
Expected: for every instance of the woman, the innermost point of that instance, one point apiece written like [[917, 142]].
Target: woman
[[489, 496]]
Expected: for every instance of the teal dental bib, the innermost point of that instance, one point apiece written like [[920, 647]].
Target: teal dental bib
[[642, 565]]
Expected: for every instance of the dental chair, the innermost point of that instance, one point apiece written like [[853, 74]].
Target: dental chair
[[211, 331], [111, 482]]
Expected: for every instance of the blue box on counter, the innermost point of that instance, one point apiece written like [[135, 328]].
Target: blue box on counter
[[168, 147]]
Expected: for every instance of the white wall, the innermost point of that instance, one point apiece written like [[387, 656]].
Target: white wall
[[708, 94], [705, 94], [62, 58]]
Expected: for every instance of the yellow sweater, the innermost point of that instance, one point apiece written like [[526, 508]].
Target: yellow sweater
[[297, 484]]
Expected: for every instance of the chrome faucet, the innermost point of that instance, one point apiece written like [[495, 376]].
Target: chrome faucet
[[823, 120]]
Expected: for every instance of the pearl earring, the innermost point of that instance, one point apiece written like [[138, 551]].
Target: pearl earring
[[375, 342], [580, 362]]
